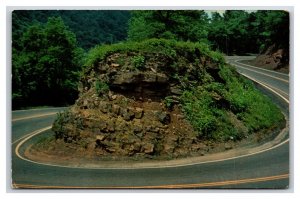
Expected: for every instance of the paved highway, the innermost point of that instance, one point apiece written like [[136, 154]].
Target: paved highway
[[268, 168]]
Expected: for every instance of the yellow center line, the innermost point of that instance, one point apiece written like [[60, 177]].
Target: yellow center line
[[27, 138], [170, 186], [286, 81], [32, 133], [34, 116]]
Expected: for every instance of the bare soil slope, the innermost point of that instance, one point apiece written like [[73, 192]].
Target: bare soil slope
[[273, 59]]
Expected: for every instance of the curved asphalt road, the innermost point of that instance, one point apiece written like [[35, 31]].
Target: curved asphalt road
[[269, 169]]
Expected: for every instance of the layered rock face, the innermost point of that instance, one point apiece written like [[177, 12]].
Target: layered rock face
[[129, 109]]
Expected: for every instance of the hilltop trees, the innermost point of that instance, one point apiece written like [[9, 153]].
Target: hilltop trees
[[229, 32], [233, 32], [183, 25], [45, 65], [271, 27]]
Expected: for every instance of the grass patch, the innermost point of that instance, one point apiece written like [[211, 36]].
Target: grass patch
[[256, 110], [101, 87], [208, 108], [169, 48], [138, 61]]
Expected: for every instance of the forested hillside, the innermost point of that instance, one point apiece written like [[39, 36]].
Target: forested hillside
[[49, 46], [91, 27]]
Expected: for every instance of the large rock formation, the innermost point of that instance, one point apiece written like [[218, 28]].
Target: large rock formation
[[129, 118], [130, 102]]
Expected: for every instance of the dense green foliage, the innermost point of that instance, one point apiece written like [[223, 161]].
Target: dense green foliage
[[45, 70], [239, 32], [185, 25], [229, 110], [256, 110], [91, 27], [46, 59], [271, 27], [234, 32]]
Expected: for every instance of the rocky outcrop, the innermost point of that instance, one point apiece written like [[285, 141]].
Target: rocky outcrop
[[130, 119], [115, 127], [127, 111]]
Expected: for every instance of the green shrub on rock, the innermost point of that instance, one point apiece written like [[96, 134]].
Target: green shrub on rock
[[101, 87], [138, 61]]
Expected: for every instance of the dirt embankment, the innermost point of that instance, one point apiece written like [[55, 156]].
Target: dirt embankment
[[273, 58]]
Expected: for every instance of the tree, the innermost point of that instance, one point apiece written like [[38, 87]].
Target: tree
[[184, 25], [238, 31], [271, 27], [217, 32], [45, 70], [230, 32]]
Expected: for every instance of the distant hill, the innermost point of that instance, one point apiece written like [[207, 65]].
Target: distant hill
[[91, 27]]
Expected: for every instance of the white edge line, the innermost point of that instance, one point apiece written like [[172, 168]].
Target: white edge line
[[280, 79], [260, 82], [238, 61], [129, 168], [279, 90]]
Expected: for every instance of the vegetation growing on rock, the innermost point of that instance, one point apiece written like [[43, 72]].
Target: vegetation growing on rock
[[161, 98]]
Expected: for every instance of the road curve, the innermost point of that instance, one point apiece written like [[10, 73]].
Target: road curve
[[268, 169]]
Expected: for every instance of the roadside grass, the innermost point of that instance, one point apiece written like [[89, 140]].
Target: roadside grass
[[211, 116], [256, 110]]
